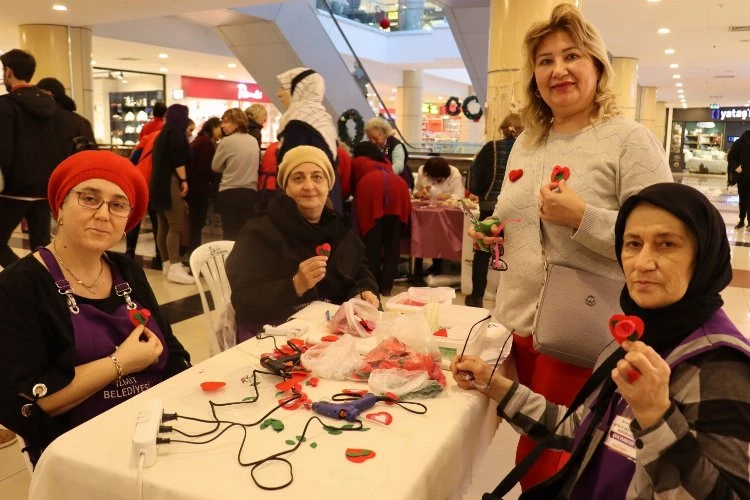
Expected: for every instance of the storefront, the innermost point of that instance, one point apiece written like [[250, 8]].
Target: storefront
[[701, 137], [206, 97], [123, 103]]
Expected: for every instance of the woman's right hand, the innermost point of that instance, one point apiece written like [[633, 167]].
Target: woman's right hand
[[310, 273], [481, 372], [487, 240], [135, 354]]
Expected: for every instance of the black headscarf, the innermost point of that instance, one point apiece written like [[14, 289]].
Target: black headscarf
[[668, 326], [369, 150], [665, 327]]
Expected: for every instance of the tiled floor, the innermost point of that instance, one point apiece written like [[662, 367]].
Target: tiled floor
[[182, 307]]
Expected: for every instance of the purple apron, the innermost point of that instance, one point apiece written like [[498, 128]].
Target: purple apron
[[97, 334]]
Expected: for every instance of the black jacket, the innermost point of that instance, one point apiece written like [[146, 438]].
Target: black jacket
[[171, 150], [739, 154], [487, 172], [33, 140], [254, 129], [268, 252], [39, 344]]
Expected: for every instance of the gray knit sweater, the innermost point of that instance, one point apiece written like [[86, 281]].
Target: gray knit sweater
[[237, 158], [609, 161]]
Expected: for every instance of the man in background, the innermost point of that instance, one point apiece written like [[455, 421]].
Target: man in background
[[738, 160], [32, 144], [79, 131], [156, 123]]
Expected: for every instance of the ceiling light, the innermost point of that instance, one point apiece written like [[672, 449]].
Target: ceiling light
[[93, 63], [231, 65], [663, 31], [653, 1], [440, 98], [60, 8], [163, 69], [163, 56], [680, 91], [674, 65], [676, 77], [124, 81], [393, 90], [221, 76], [669, 51], [678, 85]]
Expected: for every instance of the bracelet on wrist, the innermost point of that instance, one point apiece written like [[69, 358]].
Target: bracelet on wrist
[[118, 367]]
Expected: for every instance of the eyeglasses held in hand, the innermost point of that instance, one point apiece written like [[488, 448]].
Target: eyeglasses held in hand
[[93, 201]]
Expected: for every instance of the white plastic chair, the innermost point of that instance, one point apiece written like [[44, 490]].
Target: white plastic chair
[[208, 261]]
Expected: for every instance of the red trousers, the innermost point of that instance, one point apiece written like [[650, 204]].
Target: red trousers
[[557, 381]]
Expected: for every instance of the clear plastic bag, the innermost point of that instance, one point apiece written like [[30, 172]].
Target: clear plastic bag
[[355, 317], [425, 294], [333, 360], [397, 380]]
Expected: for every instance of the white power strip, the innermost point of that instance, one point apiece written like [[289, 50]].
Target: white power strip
[[145, 433]]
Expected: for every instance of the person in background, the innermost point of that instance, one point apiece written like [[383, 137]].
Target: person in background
[[668, 416], [81, 135], [200, 177], [738, 164], [486, 176], [256, 118], [32, 143], [439, 180], [142, 157], [169, 187], [156, 123], [237, 158], [69, 345], [382, 207], [380, 132], [305, 121], [571, 119], [274, 268]]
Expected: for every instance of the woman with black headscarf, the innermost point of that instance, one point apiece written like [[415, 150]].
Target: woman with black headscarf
[[667, 416]]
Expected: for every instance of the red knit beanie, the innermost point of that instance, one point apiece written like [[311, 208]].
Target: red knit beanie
[[99, 165]]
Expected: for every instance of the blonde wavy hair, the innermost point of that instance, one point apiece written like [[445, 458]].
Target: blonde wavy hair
[[535, 113], [257, 113]]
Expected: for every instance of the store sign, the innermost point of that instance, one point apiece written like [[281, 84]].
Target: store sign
[[207, 88], [714, 106], [731, 114]]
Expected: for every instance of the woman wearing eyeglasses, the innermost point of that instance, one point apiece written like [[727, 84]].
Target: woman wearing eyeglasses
[[70, 347]]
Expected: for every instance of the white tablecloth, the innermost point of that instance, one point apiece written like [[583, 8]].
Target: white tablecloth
[[428, 456]]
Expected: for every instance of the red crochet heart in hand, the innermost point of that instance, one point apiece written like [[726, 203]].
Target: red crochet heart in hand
[[626, 328], [560, 173], [139, 316], [212, 386], [514, 175], [323, 250]]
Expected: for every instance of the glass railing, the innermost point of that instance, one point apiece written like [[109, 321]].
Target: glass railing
[[393, 15]]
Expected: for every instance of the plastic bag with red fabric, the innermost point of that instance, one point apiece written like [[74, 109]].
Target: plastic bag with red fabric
[[355, 317]]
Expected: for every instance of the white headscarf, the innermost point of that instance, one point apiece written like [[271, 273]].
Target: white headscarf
[[307, 105]]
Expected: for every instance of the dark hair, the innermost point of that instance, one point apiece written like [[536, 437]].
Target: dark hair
[[22, 64], [52, 85], [369, 150], [177, 117], [437, 168], [159, 109], [511, 127], [209, 126]]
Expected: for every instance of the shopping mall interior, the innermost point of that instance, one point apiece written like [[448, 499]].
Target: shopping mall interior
[[444, 72]]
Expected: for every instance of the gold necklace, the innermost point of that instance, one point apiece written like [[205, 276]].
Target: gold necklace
[[80, 282]]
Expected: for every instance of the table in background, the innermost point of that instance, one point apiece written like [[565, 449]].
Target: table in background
[[428, 456], [436, 232]]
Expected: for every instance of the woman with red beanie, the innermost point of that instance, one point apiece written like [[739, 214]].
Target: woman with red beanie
[[81, 329]]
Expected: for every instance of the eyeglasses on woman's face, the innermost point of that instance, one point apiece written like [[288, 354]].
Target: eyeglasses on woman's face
[[94, 201]]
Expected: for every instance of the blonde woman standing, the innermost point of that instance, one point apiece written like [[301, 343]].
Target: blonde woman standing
[[571, 119], [237, 158]]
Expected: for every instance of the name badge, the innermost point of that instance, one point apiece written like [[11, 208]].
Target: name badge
[[620, 438]]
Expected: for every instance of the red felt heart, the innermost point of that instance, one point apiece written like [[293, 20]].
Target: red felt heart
[[624, 327], [329, 338], [212, 386], [292, 402], [355, 392], [633, 375], [514, 175], [392, 396], [441, 333], [324, 249], [294, 378], [559, 173], [139, 316], [381, 417], [313, 381], [359, 455]]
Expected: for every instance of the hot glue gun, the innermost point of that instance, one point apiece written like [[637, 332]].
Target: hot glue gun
[[348, 410]]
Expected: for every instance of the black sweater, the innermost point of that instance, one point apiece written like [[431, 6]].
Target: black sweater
[[487, 172], [268, 252], [39, 347]]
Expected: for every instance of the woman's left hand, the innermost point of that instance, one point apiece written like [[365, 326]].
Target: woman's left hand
[[370, 297], [565, 207], [648, 394]]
